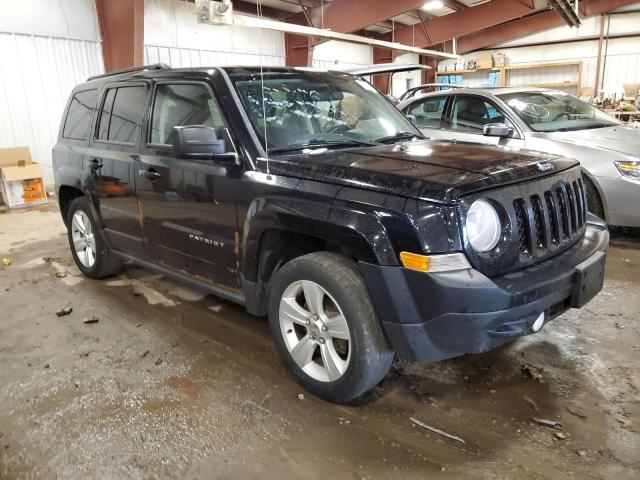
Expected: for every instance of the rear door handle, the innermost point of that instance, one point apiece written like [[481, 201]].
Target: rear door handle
[[95, 164], [150, 173]]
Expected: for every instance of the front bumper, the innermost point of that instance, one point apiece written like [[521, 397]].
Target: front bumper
[[430, 317], [620, 194]]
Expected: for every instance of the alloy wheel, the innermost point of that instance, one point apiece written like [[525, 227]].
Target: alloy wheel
[[84, 241], [315, 331]]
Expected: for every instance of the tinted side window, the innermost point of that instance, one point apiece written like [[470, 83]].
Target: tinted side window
[[471, 114], [428, 112], [78, 121], [120, 114], [180, 105]]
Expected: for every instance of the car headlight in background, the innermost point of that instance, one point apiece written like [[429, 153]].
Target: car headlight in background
[[629, 168], [483, 226]]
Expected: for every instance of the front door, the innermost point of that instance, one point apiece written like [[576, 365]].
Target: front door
[[429, 115], [110, 162], [469, 114], [188, 206]]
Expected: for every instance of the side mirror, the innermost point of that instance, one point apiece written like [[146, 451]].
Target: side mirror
[[197, 141], [412, 119], [497, 130]]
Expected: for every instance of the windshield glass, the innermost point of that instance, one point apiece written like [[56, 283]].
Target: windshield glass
[[317, 109], [556, 111]]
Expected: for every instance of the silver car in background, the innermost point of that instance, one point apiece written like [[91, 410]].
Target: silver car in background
[[548, 121]]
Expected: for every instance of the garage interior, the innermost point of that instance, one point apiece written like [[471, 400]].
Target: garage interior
[[150, 378]]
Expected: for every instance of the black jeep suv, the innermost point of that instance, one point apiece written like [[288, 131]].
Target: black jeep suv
[[306, 196]]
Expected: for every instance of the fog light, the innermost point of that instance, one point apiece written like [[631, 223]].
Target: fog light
[[537, 325]]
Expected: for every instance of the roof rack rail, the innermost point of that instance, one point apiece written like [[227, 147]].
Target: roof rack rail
[[155, 66]]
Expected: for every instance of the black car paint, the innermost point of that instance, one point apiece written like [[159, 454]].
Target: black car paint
[[373, 201]]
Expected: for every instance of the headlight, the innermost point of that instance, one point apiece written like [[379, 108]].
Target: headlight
[[483, 226], [628, 168]]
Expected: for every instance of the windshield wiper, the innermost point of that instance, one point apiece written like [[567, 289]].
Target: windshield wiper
[[396, 137], [319, 143]]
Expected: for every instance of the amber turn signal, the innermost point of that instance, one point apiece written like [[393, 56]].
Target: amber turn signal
[[434, 263]]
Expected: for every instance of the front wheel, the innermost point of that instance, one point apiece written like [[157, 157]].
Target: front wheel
[[325, 327]]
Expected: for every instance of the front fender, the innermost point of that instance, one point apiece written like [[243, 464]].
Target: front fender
[[362, 232]]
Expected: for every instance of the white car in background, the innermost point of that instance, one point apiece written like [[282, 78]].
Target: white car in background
[[549, 121]]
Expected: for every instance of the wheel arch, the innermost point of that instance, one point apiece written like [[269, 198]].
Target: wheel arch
[[275, 234]]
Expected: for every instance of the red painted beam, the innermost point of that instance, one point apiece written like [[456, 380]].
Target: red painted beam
[[299, 52], [469, 20], [346, 16], [532, 24], [122, 30]]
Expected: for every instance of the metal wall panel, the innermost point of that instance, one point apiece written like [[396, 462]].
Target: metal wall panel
[[180, 57], [37, 74]]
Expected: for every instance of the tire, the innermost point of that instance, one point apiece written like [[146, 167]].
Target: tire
[[105, 263], [358, 355], [594, 202]]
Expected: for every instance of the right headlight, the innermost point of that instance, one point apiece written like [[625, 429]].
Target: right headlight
[[628, 168], [483, 226]]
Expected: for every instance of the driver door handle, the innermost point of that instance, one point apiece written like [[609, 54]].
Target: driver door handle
[[95, 164], [150, 173]]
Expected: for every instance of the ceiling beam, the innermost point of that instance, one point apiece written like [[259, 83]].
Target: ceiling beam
[[346, 16], [532, 24], [241, 6], [463, 22]]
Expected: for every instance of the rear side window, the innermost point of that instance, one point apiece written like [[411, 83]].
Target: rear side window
[[78, 121], [119, 119], [180, 105], [428, 111]]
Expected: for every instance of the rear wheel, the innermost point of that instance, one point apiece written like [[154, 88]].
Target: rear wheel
[[325, 327], [594, 202], [88, 246]]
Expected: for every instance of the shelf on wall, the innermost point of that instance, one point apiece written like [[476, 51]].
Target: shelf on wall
[[458, 72]]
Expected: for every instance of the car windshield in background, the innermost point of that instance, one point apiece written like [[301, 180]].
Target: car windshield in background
[[556, 111], [318, 110]]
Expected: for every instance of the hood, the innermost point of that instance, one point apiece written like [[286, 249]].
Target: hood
[[428, 170], [620, 138]]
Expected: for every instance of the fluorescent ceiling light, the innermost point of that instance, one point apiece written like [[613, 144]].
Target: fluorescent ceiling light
[[433, 5]]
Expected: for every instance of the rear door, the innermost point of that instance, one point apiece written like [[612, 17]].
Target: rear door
[[189, 206], [110, 163]]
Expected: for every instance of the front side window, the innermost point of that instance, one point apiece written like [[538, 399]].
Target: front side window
[[555, 111], [120, 116], [297, 110], [471, 114], [181, 105], [428, 111], [78, 121]]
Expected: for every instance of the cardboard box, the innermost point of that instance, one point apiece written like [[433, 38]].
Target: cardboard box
[[451, 68], [485, 61], [500, 60], [21, 182]]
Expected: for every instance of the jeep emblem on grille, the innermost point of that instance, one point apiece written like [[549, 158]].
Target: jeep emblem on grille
[[544, 166]]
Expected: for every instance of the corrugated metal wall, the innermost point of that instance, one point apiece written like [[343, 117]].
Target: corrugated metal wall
[[179, 57], [36, 75]]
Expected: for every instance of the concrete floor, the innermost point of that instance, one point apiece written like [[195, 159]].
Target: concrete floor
[[174, 384]]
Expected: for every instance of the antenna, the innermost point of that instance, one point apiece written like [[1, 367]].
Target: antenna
[[264, 102]]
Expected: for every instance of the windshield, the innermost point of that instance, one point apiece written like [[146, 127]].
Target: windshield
[[315, 109], [556, 111]]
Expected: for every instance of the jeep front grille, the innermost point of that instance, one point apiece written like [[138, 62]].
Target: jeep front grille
[[541, 218], [563, 207]]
